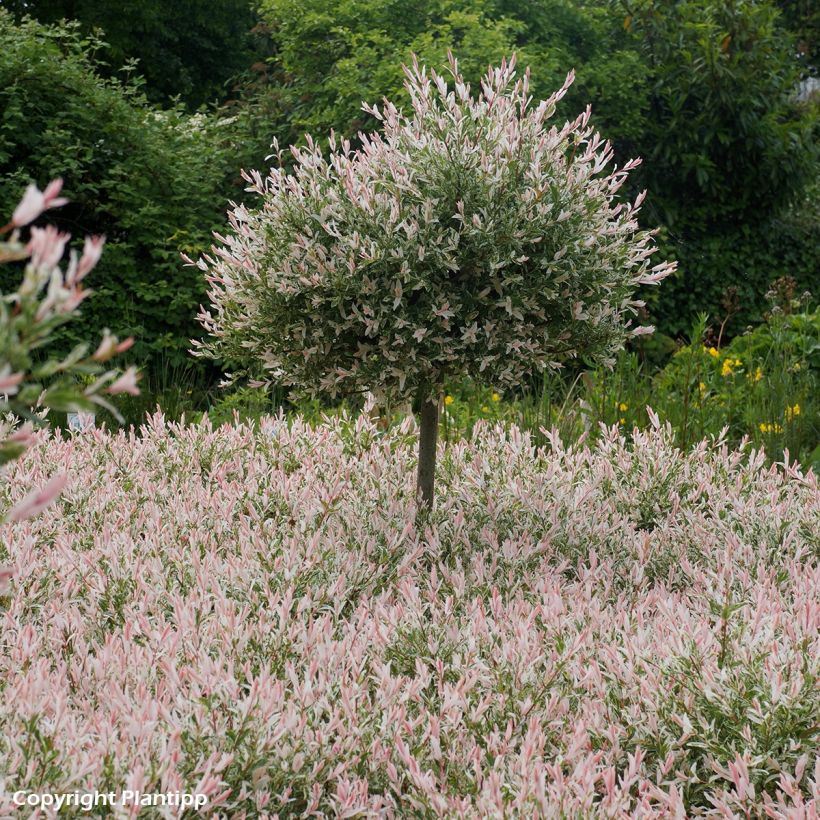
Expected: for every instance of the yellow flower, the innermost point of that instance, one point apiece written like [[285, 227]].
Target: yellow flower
[[702, 387], [757, 375], [448, 400], [726, 370], [621, 421], [485, 409], [791, 412], [496, 397], [768, 427], [712, 352]]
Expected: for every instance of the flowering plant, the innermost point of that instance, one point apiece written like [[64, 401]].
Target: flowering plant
[[46, 299], [469, 238], [763, 384]]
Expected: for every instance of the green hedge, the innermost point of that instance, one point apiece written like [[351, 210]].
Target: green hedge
[[153, 181], [730, 272]]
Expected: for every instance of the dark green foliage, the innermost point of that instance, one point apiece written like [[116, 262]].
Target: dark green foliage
[[727, 274], [729, 151], [554, 36], [803, 18], [329, 58], [725, 141], [185, 48], [154, 182]]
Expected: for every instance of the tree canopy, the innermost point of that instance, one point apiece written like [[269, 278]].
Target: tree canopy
[[185, 48], [469, 237]]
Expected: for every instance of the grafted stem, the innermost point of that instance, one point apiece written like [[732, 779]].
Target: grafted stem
[[428, 437]]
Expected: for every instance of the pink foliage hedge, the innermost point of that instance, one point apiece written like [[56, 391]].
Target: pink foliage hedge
[[618, 631]]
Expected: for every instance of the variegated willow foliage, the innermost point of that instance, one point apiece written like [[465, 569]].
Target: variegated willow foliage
[[31, 382], [621, 630], [46, 299], [469, 237]]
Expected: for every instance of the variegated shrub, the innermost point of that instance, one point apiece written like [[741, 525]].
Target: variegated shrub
[[468, 237], [620, 631]]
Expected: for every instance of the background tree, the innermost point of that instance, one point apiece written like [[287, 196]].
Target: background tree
[[470, 238], [803, 18], [727, 137], [330, 58], [187, 49], [730, 150], [325, 60]]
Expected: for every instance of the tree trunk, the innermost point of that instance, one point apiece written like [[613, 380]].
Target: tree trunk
[[428, 435]]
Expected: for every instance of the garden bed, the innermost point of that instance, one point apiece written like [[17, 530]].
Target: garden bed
[[257, 614]]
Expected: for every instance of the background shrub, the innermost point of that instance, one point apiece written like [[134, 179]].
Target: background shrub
[[188, 49], [153, 181]]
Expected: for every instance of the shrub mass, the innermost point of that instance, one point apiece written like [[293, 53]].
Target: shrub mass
[[154, 182], [252, 613]]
